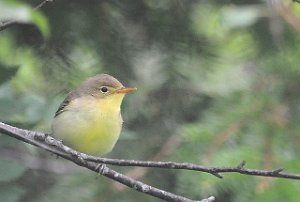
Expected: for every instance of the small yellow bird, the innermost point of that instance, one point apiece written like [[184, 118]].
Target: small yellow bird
[[89, 119]]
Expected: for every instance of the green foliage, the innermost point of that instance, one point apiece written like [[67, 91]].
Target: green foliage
[[41, 22], [10, 170], [73, 188], [223, 75], [15, 10], [11, 193], [7, 72]]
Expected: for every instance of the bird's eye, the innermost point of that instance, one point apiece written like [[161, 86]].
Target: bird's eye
[[104, 89]]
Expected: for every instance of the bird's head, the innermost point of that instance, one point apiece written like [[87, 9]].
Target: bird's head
[[106, 88]]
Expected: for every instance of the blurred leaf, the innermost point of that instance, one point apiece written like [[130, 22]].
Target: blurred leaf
[[207, 21], [5, 140], [14, 11], [226, 80], [232, 156], [23, 13], [41, 22], [285, 191], [27, 108], [11, 193], [241, 16], [7, 72], [80, 187], [10, 170]]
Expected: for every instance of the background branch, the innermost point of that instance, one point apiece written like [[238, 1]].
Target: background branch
[[10, 23], [50, 144]]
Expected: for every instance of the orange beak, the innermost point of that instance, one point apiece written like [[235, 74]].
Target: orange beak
[[125, 90]]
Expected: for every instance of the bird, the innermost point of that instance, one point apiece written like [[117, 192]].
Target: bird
[[89, 119]]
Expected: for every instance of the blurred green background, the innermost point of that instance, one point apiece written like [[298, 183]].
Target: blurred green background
[[219, 82]]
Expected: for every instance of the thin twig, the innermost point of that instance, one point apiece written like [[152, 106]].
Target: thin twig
[[43, 3], [240, 168], [216, 171], [10, 23], [50, 144], [166, 149]]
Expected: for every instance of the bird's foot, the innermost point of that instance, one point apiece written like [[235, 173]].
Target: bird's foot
[[101, 168]]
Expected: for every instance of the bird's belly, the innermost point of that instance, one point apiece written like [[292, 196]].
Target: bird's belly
[[93, 133]]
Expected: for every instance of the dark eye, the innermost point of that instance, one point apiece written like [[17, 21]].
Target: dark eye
[[104, 89]]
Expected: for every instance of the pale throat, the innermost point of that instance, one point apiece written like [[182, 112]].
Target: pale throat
[[111, 103]]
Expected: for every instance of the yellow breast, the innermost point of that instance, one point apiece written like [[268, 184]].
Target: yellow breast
[[90, 125]]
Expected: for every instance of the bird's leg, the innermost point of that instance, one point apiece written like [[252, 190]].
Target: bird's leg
[[101, 167]]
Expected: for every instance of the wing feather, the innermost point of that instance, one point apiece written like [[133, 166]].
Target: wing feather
[[64, 105]]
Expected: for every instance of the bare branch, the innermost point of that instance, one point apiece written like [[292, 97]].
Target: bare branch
[[10, 23], [43, 3], [48, 143], [189, 166], [91, 162]]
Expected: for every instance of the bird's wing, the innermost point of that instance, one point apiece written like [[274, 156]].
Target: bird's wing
[[63, 106]]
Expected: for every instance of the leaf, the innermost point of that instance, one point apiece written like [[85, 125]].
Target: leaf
[[41, 22], [11, 193], [79, 187], [10, 170], [7, 72], [26, 108], [24, 14], [9, 11], [227, 80], [241, 16]]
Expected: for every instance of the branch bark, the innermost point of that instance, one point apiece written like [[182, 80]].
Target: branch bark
[[97, 164], [216, 171], [48, 143]]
